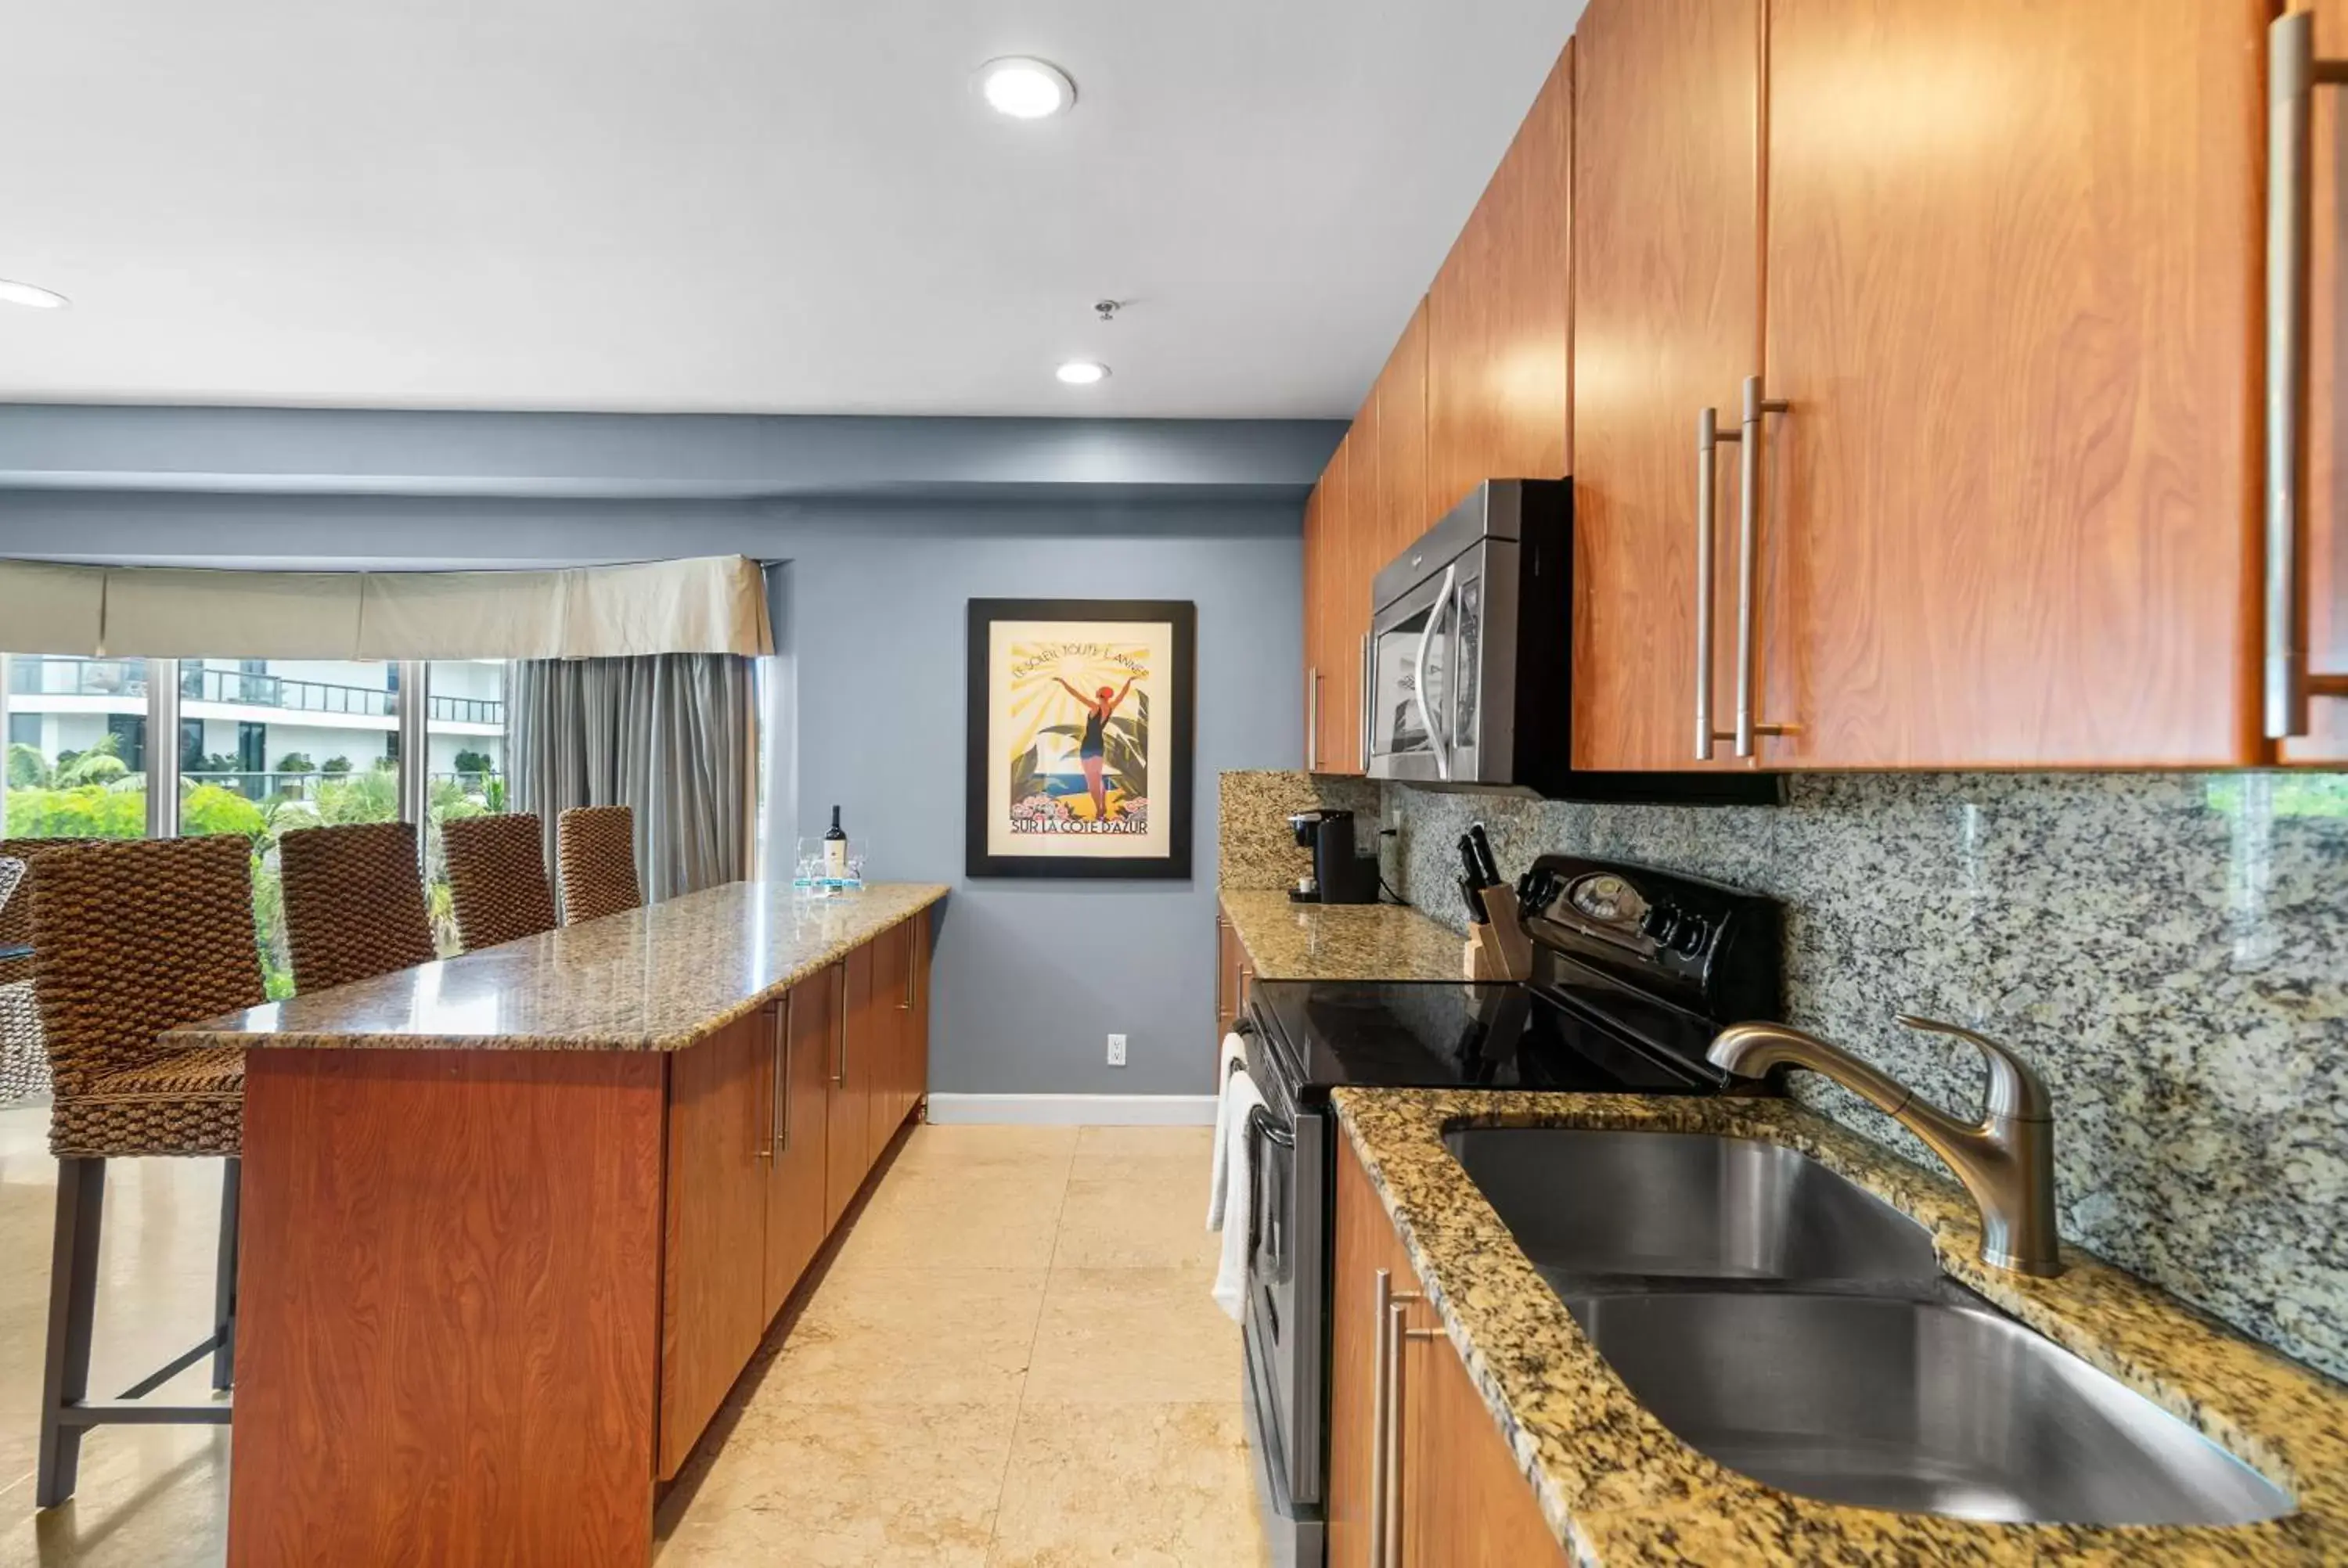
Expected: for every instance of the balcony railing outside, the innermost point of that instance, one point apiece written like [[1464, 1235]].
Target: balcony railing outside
[[270, 785], [58, 675], [50, 675]]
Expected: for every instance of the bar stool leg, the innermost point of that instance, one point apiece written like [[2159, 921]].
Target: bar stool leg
[[224, 1278], [73, 1301]]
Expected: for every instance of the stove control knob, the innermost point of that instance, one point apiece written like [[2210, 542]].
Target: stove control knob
[[1660, 924], [1689, 936]]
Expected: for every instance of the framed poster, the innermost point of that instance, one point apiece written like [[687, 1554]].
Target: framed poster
[[1081, 711]]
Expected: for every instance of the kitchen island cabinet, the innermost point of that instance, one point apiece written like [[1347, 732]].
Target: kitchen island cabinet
[[513, 1222]]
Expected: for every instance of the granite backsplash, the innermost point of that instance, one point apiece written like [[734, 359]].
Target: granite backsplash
[[2170, 950], [1259, 849]]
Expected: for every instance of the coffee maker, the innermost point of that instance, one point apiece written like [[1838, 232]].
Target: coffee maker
[[1341, 873]]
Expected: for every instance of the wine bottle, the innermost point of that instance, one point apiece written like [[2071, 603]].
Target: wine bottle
[[835, 849]]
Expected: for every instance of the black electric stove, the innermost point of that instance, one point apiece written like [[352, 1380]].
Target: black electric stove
[[1634, 972]]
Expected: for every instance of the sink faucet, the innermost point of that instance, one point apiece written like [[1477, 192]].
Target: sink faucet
[[2007, 1161]]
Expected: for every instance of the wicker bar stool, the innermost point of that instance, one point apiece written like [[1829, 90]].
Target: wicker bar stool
[[24, 1066], [24, 1061], [129, 939], [354, 903], [497, 879], [595, 852]]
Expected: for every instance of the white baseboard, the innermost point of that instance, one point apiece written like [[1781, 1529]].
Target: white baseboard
[[1074, 1109]]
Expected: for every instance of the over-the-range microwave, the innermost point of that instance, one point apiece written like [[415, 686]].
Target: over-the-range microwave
[[1467, 672]]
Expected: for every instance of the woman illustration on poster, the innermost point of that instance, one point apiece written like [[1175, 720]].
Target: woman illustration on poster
[[1097, 710]]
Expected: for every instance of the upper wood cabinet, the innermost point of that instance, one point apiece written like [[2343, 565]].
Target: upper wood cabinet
[[2013, 275], [1500, 317], [2326, 580], [1667, 321], [1998, 262], [1337, 605], [1404, 504]]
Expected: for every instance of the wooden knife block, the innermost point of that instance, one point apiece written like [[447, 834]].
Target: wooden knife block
[[1499, 950]]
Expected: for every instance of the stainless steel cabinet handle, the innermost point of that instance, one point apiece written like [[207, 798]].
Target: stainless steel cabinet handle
[[1369, 678], [2293, 73], [779, 1112], [1708, 439], [1312, 720], [1748, 529], [1418, 684], [839, 1075], [1385, 1419]]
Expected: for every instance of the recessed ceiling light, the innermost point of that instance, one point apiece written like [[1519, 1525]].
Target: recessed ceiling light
[[1025, 89], [26, 294], [1082, 372]]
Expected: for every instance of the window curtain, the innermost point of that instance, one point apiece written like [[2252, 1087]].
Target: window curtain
[[674, 736]]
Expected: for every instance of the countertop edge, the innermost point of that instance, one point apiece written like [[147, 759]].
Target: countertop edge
[[918, 897], [1286, 940], [1652, 1499]]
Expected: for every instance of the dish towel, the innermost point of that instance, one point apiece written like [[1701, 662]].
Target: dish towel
[[1240, 1097], [1232, 1059]]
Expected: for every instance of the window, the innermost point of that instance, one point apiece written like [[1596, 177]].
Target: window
[[69, 775], [464, 762]]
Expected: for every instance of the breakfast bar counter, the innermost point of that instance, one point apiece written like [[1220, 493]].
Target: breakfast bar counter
[[513, 1221]]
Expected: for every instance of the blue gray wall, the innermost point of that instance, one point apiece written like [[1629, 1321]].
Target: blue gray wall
[[1031, 977]]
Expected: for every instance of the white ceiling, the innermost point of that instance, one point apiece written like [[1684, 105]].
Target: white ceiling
[[784, 206]]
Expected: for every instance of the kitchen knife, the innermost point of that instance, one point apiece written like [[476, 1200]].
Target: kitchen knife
[[1475, 904], [1474, 867], [1488, 867]]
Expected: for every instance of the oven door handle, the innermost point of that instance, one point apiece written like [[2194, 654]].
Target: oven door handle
[[1263, 1121], [1418, 684]]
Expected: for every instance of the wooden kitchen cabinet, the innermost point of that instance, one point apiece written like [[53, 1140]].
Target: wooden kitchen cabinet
[[1460, 1500], [847, 1132], [1500, 317], [712, 1287], [2001, 262], [797, 1218], [1233, 978], [892, 1016], [2013, 280], [1666, 322], [1337, 608], [2326, 579], [1404, 501]]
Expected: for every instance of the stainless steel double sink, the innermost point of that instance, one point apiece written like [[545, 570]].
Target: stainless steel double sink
[[1796, 1328]]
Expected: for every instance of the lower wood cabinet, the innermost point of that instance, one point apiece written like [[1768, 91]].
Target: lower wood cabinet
[[800, 1105], [713, 1288], [847, 1154], [1453, 1495], [1232, 977], [773, 1124]]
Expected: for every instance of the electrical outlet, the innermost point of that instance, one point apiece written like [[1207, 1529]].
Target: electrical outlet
[[1116, 1050]]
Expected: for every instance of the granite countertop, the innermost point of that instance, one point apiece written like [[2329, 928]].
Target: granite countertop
[[1618, 1487], [655, 978], [1286, 940]]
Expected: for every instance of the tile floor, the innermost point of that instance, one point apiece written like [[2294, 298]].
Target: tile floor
[[1010, 1359]]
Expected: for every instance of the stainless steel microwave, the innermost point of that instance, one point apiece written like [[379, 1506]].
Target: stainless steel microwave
[[1466, 676]]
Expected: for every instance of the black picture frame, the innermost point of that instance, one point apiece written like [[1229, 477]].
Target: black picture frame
[[1177, 798]]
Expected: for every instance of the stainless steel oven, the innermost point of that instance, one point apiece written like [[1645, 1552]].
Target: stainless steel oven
[[1283, 1328], [1467, 669]]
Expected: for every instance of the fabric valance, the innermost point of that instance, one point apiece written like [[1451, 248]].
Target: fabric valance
[[46, 609], [714, 604]]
